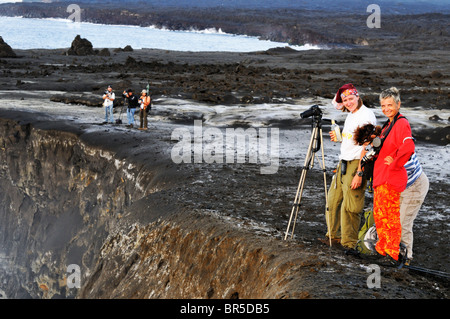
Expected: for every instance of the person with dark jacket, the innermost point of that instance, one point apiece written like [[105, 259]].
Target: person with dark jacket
[[133, 103]]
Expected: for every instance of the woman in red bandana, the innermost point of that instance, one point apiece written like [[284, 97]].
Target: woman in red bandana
[[390, 176], [347, 190]]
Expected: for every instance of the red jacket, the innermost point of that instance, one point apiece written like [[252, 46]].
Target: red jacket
[[400, 146]]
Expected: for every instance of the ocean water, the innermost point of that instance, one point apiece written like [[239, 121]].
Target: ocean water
[[24, 33]]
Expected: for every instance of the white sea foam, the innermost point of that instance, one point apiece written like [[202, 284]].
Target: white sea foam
[[24, 33]]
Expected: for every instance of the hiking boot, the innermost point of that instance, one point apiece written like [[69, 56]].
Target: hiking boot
[[388, 261], [407, 262], [402, 256], [401, 261], [352, 252], [334, 241]]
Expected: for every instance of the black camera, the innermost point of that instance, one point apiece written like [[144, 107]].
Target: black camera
[[372, 150], [312, 111]]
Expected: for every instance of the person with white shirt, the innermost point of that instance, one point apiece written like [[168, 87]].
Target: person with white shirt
[[347, 190], [108, 103]]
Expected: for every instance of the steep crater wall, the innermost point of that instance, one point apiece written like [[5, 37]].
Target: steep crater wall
[[64, 201], [59, 198]]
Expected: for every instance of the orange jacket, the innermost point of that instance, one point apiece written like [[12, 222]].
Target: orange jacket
[[146, 101], [400, 147]]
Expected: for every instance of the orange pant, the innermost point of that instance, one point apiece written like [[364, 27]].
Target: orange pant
[[386, 212]]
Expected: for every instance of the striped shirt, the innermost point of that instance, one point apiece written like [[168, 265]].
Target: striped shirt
[[413, 169]]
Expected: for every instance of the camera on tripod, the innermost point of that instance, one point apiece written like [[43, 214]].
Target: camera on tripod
[[315, 144], [312, 111]]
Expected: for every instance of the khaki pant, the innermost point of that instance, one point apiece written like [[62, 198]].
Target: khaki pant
[[411, 200], [142, 118], [345, 206]]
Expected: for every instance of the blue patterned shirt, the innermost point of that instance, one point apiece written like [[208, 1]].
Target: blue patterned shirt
[[413, 169]]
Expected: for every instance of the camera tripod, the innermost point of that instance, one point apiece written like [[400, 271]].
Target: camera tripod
[[316, 143]]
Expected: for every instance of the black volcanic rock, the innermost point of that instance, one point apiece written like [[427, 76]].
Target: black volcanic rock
[[104, 52], [5, 50], [81, 46]]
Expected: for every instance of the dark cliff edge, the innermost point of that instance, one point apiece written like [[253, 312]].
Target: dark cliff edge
[[72, 194]]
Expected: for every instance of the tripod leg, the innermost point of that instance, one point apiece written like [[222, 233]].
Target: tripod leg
[[296, 206], [327, 215]]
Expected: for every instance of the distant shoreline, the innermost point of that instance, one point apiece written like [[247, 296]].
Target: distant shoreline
[[294, 26], [137, 37]]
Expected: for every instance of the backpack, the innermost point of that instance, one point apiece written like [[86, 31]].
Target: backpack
[[368, 173], [149, 106], [367, 236]]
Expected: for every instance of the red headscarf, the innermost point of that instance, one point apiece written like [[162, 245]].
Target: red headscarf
[[344, 91]]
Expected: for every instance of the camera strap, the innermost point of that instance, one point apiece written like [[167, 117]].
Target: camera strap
[[384, 134]]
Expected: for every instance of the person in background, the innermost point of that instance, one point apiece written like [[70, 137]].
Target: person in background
[[145, 107], [390, 177], [411, 199], [347, 190], [133, 103], [108, 103]]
